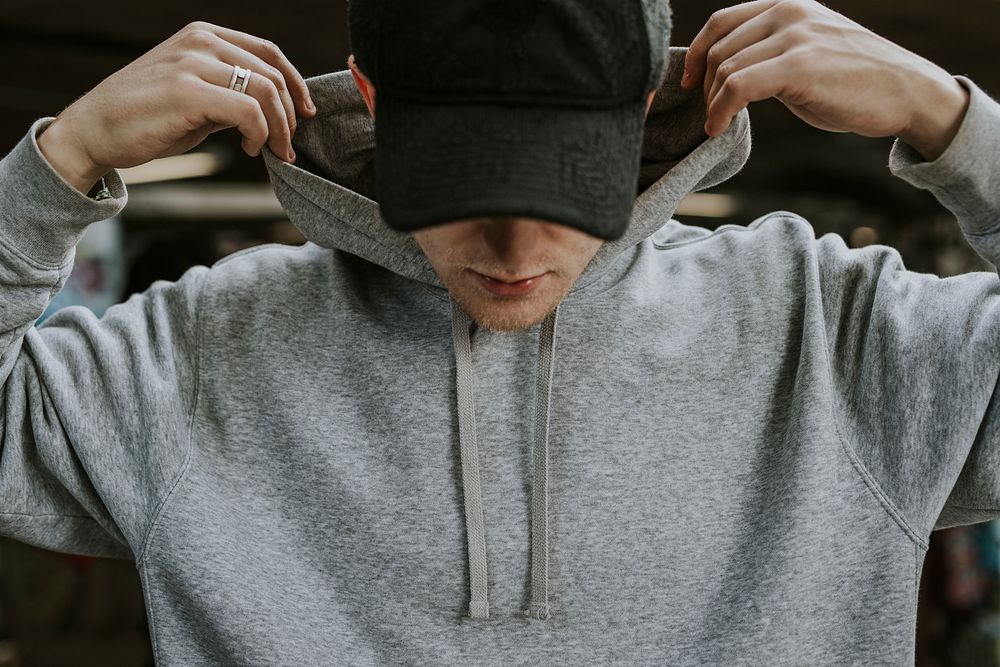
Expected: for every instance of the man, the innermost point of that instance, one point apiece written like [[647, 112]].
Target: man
[[500, 409]]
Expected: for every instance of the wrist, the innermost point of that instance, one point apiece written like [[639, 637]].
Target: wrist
[[937, 117], [65, 155]]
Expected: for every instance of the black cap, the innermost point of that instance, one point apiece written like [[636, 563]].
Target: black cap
[[532, 108]]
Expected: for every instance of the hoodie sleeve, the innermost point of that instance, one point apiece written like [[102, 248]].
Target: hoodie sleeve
[[915, 358], [94, 412]]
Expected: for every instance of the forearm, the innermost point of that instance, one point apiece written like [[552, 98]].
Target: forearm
[[965, 177], [42, 217], [63, 154], [941, 108], [81, 395]]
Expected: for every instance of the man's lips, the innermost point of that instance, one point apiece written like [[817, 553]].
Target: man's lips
[[520, 287]]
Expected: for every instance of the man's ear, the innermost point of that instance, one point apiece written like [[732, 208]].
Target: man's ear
[[365, 86]]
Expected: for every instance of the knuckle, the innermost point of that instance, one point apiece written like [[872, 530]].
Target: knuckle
[[275, 108], [280, 133], [735, 84], [796, 35], [277, 79], [199, 38], [714, 56], [794, 8], [269, 92], [261, 84], [725, 70], [716, 20], [270, 48]]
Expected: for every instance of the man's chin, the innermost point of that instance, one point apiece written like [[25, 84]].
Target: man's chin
[[506, 315]]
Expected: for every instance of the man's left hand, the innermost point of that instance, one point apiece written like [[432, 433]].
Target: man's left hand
[[828, 70]]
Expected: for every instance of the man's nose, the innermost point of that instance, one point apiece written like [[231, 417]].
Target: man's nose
[[512, 239]]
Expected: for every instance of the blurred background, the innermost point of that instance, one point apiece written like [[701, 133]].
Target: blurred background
[[65, 610]]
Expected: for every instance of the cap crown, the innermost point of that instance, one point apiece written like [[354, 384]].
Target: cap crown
[[548, 52]]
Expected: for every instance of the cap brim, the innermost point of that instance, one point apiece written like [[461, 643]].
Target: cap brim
[[438, 163]]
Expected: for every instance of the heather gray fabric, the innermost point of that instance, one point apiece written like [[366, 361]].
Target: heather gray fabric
[[313, 458]]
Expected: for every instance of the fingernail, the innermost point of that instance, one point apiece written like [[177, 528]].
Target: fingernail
[[291, 154], [310, 105]]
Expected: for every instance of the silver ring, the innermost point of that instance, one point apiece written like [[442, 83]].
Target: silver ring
[[240, 79]]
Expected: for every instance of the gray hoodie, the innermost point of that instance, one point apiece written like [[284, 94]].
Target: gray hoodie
[[725, 447]]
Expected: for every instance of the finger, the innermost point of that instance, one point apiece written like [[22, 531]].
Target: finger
[[231, 55], [279, 131], [744, 35], [260, 88], [227, 108], [720, 24], [757, 52], [268, 51], [757, 82]]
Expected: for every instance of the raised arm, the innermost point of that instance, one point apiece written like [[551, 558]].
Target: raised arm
[[95, 413], [92, 411], [914, 359]]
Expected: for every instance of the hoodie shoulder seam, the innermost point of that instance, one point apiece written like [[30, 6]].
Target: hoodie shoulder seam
[[751, 227], [255, 249], [189, 439]]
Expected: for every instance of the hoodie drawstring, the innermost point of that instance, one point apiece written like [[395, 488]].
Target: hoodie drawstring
[[479, 606], [475, 525], [540, 486]]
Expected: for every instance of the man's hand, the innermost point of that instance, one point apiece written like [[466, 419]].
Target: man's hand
[[171, 98], [828, 70]]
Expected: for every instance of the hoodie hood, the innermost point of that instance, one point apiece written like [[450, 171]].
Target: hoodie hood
[[329, 195]]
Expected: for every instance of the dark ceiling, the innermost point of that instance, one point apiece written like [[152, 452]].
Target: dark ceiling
[[55, 52]]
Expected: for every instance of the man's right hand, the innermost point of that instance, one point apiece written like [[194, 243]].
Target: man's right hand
[[171, 98]]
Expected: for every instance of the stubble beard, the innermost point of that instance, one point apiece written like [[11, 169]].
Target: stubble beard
[[499, 315]]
